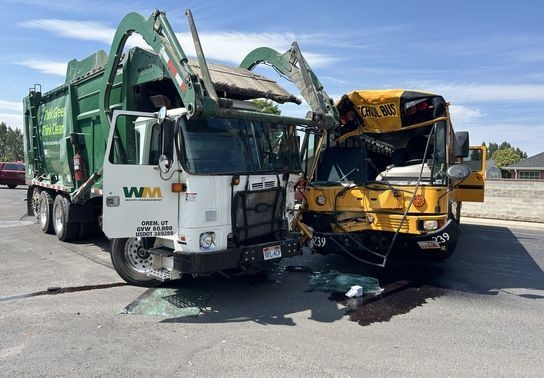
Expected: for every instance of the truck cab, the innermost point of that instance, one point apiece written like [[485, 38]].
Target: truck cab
[[198, 195]]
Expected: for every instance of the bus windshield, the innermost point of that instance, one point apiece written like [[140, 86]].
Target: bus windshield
[[234, 146]]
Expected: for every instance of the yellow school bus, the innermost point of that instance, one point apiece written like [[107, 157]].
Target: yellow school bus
[[392, 176]]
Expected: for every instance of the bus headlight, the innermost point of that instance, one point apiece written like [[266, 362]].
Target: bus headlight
[[430, 225], [321, 200], [207, 240]]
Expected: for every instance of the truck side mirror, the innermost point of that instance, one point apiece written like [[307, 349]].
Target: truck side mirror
[[167, 156], [164, 164], [460, 144], [168, 138], [161, 115]]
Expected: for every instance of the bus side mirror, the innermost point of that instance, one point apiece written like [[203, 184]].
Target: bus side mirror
[[458, 172], [460, 144]]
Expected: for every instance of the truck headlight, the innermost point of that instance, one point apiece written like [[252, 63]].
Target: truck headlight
[[430, 225], [207, 240]]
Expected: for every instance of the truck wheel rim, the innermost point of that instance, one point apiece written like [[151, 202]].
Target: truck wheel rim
[[43, 213], [58, 219], [137, 257], [36, 203]]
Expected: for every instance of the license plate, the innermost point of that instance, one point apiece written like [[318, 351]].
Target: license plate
[[273, 252], [430, 244]]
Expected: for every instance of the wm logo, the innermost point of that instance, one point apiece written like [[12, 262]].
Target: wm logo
[[142, 192]]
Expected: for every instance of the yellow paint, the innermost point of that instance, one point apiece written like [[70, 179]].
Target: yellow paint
[[473, 187]]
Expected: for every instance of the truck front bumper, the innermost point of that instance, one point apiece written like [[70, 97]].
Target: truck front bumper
[[243, 257]]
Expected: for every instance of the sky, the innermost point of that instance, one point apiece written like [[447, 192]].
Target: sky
[[486, 58]]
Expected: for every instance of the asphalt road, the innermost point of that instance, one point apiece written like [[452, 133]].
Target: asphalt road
[[480, 313]]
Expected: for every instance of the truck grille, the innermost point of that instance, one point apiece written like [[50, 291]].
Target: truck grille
[[263, 185], [257, 213]]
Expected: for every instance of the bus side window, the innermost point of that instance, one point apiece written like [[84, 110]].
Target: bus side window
[[474, 160]]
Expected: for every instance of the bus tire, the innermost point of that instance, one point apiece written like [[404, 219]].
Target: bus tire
[[46, 212], [454, 211], [132, 261]]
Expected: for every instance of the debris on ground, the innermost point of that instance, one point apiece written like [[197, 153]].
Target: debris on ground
[[355, 291], [336, 282], [298, 269], [169, 302]]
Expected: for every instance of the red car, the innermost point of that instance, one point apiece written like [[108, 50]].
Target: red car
[[12, 174]]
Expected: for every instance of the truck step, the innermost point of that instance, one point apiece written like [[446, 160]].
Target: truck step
[[160, 274], [162, 251]]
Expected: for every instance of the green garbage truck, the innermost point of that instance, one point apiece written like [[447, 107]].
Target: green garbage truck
[[169, 156]]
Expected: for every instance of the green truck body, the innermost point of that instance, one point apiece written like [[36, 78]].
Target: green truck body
[[93, 132], [66, 120]]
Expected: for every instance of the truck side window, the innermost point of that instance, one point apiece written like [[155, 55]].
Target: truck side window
[[155, 145], [141, 141], [127, 142]]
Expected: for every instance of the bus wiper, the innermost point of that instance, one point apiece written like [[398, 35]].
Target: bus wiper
[[384, 179], [356, 169]]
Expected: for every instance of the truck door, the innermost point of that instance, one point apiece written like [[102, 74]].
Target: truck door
[[472, 188], [137, 196]]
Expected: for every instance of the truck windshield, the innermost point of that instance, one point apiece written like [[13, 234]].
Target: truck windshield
[[227, 146]]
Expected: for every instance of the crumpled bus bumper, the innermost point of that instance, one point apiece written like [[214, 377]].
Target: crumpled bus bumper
[[436, 240]]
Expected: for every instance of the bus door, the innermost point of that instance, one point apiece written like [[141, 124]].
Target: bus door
[[472, 188]]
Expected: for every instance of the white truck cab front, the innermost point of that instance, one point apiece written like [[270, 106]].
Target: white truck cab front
[[224, 201]]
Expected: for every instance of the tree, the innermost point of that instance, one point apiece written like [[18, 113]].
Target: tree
[[506, 156], [493, 147], [522, 154], [3, 132], [266, 106], [11, 143]]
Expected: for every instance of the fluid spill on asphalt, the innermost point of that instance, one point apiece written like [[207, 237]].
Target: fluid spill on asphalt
[[61, 290], [406, 287], [397, 298]]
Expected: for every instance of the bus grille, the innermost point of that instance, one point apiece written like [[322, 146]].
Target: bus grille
[[386, 223]]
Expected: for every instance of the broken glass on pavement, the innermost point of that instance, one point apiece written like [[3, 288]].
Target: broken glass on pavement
[[336, 282]]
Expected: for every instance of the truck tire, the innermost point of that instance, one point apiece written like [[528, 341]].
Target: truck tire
[[46, 212], [36, 202], [12, 186], [132, 261], [64, 230]]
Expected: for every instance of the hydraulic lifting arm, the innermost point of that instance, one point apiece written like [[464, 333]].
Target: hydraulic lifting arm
[[294, 67], [198, 94], [158, 34]]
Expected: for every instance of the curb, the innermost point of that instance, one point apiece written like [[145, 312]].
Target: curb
[[502, 223]]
